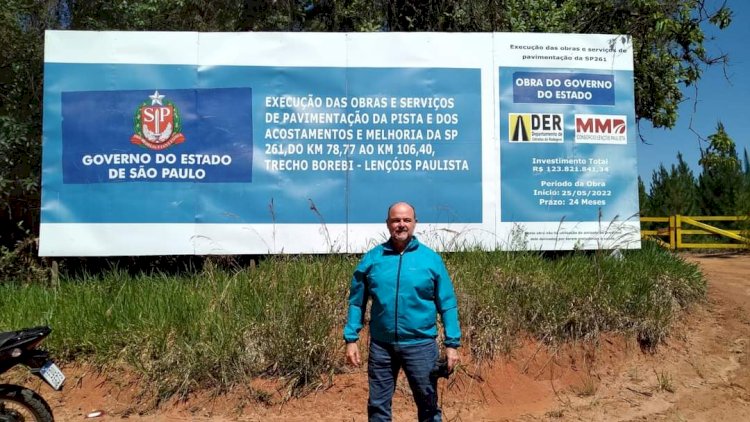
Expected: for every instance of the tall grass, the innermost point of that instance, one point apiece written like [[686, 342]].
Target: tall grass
[[220, 325], [574, 296]]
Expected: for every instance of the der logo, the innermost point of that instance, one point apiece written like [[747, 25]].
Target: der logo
[[535, 127]]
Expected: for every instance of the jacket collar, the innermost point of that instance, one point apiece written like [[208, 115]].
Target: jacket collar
[[413, 244]]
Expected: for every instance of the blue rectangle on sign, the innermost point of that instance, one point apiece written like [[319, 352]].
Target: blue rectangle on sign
[[563, 88], [176, 135]]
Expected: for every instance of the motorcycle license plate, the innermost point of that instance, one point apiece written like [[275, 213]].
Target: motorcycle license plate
[[52, 374]]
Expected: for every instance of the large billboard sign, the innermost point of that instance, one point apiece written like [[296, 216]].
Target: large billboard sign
[[255, 143]]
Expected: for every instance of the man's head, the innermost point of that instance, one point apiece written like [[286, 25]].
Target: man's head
[[401, 221]]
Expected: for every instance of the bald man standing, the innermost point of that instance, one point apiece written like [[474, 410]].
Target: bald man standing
[[409, 285]]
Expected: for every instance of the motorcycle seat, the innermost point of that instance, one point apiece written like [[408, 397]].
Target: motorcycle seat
[[4, 337], [11, 338]]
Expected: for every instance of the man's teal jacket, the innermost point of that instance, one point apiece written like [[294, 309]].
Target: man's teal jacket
[[408, 290]]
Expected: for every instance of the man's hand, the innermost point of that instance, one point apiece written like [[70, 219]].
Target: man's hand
[[452, 358], [352, 354]]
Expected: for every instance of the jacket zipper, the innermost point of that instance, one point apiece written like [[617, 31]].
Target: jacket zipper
[[398, 285]]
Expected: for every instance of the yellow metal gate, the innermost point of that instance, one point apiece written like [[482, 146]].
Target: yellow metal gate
[[681, 225]]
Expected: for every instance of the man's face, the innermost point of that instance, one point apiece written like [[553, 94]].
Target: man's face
[[401, 223]]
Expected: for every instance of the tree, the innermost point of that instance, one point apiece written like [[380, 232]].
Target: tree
[[668, 36], [743, 198], [643, 199], [721, 180], [673, 192], [228, 15], [22, 25]]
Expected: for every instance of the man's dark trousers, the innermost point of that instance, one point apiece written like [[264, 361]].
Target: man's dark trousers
[[418, 361]]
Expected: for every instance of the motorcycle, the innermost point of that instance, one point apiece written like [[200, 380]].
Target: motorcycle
[[17, 403]]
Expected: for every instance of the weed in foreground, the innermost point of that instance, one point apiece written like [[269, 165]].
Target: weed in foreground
[[555, 414], [664, 382], [587, 387]]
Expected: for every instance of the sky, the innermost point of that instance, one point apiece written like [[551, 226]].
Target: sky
[[719, 97]]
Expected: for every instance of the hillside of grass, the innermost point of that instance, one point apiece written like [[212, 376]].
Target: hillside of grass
[[216, 326]]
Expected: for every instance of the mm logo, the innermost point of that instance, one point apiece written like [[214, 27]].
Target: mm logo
[[601, 129], [535, 127]]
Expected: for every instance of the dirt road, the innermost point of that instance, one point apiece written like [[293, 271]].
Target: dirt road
[[702, 373]]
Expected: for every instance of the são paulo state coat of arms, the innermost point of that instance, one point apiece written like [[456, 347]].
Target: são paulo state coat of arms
[[157, 125]]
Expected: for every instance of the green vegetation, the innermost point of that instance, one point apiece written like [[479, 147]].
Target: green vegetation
[[674, 191], [720, 182], [217, 326], [721, 189]]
